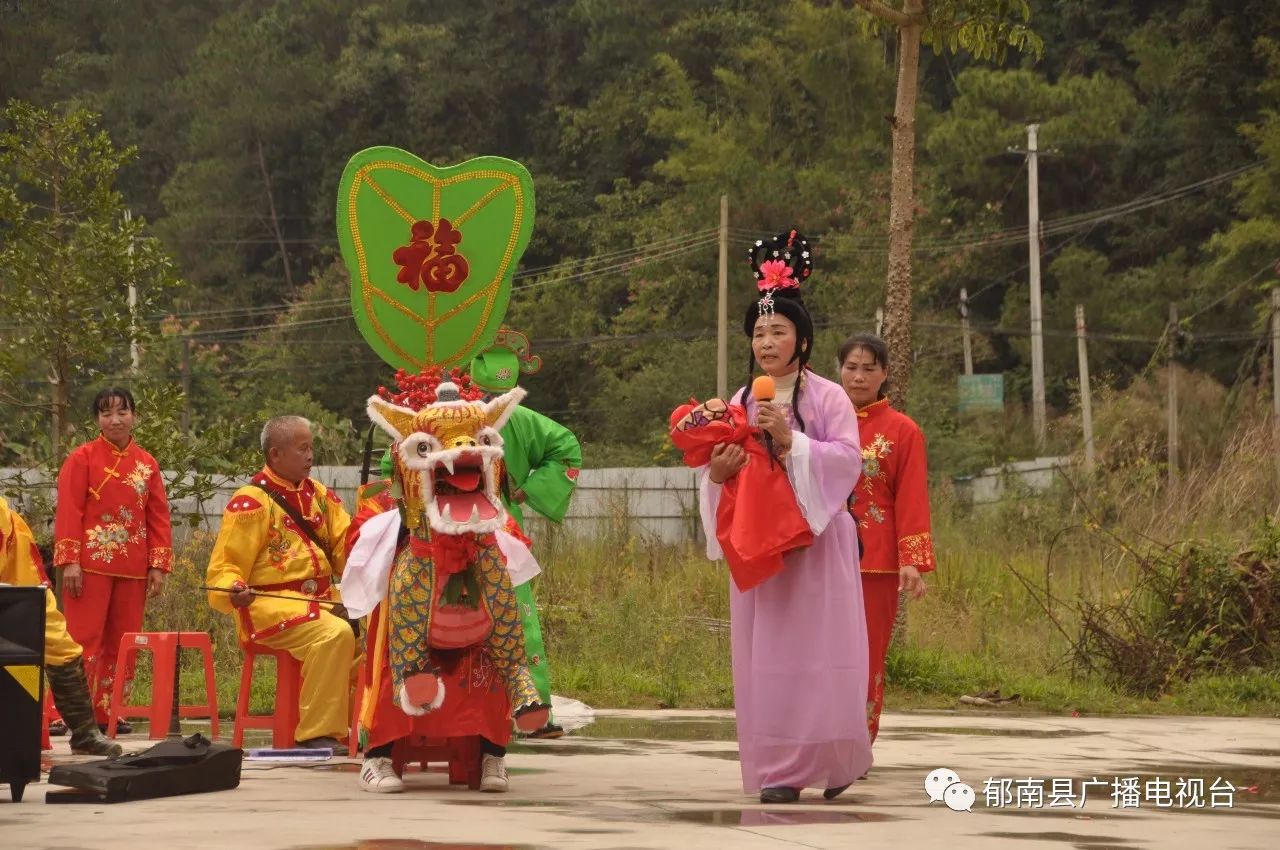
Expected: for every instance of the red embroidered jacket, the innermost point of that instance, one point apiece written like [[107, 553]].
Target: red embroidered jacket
[[891, 499], [113, 514]]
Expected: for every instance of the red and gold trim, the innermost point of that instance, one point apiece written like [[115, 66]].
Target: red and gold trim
[[112, 471], [160, 558], [309, 586], [269, 476], [916, 550], [874, 407], [313, 613], [66, 551]]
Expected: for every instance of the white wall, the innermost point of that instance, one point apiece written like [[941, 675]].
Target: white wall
[[658, 502]]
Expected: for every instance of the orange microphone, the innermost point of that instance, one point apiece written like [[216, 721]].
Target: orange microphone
[[763, 388]]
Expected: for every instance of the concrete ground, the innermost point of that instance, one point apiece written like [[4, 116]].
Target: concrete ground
[[641, 779]]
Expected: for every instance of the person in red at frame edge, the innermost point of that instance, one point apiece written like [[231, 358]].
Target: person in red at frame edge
[[112, 541], [890, 503]]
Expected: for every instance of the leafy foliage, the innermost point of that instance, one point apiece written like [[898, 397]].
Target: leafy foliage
[[634, 118], [69, 255]]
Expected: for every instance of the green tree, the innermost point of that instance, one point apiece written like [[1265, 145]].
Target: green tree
[[1249, 248], [788, 134], [312, 347], [258, 80], [68, 257]]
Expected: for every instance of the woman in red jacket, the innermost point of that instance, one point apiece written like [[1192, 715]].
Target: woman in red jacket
[[890, 503], [112, 540]]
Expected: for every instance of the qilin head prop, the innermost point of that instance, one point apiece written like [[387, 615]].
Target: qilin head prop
[[448, 454]]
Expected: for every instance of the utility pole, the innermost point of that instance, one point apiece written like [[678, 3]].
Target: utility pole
[[186, 386], [1086, 396], [964, 331], [1275, 376], [1037, 324], [1173, 394], [1275, 354], [135, 353], [722, 305]]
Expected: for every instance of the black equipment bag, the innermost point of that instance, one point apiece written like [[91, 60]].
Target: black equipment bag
[[188, 766]]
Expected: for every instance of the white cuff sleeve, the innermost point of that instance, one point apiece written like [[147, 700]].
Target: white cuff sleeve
[[708, 504], [368, 572], [801, 475], [520, 561]]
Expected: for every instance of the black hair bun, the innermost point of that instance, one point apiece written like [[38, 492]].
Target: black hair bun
[[781, 263]]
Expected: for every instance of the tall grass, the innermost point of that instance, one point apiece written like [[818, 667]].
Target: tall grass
[[632, 622], [1004, 609]]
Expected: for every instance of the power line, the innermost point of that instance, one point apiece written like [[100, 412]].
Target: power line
[[219, 335], [608, 270], [250, 310], [618, 261], [1218, 337], [623, 259], [619, 253], [1015, 235], [616, 268], [687, 242], [1271, 264]]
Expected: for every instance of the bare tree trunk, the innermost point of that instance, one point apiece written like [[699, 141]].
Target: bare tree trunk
[[275, 219], [902, 226], [59, 367], [61, 404], [902, 202]]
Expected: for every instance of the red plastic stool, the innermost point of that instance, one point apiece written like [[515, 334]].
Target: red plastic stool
[[164, 647], [283, 719], [461, 753]]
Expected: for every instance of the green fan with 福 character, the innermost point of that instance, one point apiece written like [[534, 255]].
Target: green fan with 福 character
[[432, 252]]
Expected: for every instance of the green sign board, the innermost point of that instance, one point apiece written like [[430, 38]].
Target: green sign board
[[980, 392], [431, 251]]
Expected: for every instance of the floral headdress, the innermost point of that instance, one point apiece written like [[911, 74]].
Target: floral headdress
[[780, 265]]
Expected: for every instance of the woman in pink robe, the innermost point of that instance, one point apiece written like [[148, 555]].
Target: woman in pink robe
[[800, 638]]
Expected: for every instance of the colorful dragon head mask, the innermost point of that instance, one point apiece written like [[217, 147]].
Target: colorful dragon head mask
[[448, 457]]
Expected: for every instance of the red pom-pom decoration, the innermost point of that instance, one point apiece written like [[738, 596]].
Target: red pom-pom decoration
[[417, 391]]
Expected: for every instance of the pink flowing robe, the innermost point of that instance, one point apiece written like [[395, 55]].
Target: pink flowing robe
[[800, 639]]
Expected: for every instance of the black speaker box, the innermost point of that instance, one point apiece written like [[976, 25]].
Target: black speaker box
[[21, 685], [188, 766]]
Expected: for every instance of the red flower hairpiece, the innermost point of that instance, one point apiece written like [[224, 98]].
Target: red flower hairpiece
[[776, 274]]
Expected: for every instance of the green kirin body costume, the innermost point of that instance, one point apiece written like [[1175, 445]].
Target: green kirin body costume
[[542, 459]]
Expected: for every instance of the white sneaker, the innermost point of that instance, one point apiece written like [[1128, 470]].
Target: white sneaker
[[493, 774], [377, 775]]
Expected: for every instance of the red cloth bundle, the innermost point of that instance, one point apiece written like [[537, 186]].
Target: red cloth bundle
[[758, 518]]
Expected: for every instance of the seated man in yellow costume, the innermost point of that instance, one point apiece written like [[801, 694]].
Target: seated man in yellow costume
[[20, 564], [284, 534]]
